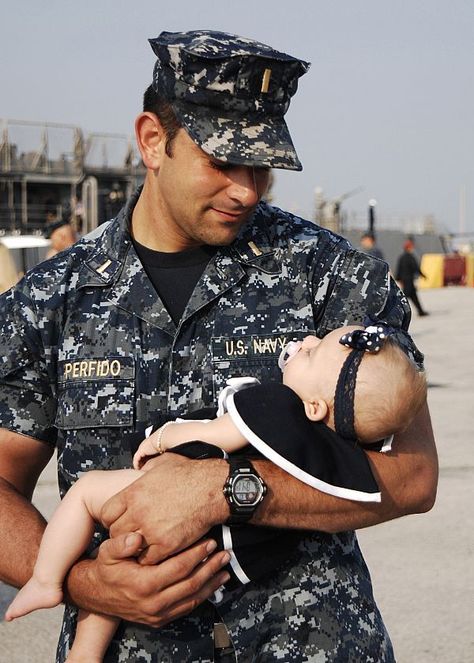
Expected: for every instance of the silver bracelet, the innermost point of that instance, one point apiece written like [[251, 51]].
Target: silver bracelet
[[157, 443]]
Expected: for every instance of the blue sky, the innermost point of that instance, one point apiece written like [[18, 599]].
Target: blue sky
[[388, 103]]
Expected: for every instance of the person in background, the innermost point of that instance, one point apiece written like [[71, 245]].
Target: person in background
[[62, 235], [408, 269], [369, 245]]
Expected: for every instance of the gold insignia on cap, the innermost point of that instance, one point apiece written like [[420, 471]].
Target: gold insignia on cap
[[266, 80], [256, 251]]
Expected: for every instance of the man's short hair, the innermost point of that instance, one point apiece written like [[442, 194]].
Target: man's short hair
[[154, 103]]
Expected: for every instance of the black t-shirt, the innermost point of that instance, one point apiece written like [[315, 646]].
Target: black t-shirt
[[174, 275]]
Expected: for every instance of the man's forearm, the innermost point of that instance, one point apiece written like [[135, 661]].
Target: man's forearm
[[191, 498], [80, 589], [293, 504], [407, 478], [22, 527]]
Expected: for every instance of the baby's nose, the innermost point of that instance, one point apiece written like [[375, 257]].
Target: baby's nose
[[310, 342]]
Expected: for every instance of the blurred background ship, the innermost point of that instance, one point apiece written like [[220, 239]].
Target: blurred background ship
[[52, 171], [55, 171]]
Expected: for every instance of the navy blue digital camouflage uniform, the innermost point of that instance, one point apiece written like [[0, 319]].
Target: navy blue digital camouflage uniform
[[90, 353]]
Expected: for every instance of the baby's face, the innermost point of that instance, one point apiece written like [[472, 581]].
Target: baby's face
[[311, 367]]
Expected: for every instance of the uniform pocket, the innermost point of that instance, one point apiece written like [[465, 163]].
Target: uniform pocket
[[96, 393]]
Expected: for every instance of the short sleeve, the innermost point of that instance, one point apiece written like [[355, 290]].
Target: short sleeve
[[27, 405]]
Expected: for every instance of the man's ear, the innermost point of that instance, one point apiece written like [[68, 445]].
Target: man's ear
[[151, 139], [316, 410]]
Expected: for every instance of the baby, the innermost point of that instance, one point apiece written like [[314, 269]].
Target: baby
[[355, 384]]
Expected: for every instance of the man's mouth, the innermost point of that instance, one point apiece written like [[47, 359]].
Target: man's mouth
[[229, 216]]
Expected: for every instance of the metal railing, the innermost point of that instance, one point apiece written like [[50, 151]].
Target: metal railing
[[52, 148]]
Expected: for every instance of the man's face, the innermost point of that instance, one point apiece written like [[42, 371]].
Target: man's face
[[200, 200]]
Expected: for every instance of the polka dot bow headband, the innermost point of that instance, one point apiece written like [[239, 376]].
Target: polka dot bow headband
[[370, 339]]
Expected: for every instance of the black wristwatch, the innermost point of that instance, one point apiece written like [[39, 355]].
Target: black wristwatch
[[244, 490]]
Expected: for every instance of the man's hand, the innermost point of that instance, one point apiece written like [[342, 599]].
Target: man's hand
[[152, 595], [177, 501], [173, 505]]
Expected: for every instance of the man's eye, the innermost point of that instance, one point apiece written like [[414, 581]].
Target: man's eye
[[224, 165], [221, 165]]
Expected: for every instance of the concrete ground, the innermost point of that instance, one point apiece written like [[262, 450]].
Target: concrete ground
[[422, 566]]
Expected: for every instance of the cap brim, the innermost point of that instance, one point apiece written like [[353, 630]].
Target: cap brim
[[242, 140]]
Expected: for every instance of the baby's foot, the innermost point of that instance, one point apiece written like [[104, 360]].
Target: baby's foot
[[32, 596]]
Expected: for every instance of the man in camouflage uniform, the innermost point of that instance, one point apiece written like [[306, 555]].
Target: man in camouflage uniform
[[91, 354]]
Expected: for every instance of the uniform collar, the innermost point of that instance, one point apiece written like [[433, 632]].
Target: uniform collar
[[113, 242], [114, 264], [251, 249]]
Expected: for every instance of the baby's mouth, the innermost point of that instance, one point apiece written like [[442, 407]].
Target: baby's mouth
[[288, 352]]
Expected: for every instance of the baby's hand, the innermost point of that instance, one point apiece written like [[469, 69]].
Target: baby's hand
[[146, 449], [154, 445]]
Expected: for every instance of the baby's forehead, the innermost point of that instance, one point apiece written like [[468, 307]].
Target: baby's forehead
[[335, 335], [348, 328]]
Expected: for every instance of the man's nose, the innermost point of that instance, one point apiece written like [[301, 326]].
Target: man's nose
[[244, 186]]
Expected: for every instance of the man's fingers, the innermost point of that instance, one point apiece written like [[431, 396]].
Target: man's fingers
[[179, 567], [190, 603], [153, 554], [113, 509], [155, 595], [123, 546], [183, 587]]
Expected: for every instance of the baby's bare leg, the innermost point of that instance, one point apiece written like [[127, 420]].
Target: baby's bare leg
[[66, 537], [93, 636]]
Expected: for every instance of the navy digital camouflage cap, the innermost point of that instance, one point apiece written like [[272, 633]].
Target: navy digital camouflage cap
[[230, 94]]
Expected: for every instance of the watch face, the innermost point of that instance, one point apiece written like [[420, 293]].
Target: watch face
[[247, 490]]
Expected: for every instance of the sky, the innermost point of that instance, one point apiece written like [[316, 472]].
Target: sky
[[386, 110]]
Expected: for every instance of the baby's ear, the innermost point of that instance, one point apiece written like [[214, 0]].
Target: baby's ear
[[316, 410]]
